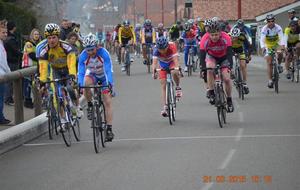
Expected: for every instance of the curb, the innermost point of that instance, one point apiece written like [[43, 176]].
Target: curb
[[16, 136]]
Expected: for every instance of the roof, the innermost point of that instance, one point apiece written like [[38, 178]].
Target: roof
[[278, 10]]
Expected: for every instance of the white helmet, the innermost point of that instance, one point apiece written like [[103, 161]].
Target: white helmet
[[235, 32], [90, 41], [217, 19]]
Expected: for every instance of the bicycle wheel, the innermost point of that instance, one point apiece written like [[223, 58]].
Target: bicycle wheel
[[50, 125], [66, 132], [189, 66], [168, 94], [102, 126], [128, 69], [276, 78], [148, 66], [219, 105], [240, 84], [173, 104], [95, 127], [76, 129]]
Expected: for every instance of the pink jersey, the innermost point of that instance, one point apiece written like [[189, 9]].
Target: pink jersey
[[216, 49]]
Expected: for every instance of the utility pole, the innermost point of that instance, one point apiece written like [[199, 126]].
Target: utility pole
[[146, 9], [162, 12], [239, 9], [175, 11], [134, 13]]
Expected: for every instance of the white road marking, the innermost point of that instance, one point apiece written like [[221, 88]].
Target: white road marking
[[173, 138], [207, 186], [241, 116], [239, 134], [227, 159]]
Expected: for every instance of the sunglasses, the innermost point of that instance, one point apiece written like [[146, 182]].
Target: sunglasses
[[271, 21]]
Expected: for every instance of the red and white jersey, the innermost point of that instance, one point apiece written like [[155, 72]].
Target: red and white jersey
[[166, 59]]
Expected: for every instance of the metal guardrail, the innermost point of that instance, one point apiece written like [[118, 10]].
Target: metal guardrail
[[16, 77]]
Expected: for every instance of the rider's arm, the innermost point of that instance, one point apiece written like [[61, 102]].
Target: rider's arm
[[247, 46], [143, 36], [43, 69], [281, 37], [81, 68], [119, 35], [108, 68], [71, 62], [133, 35], [203, 51], [263, 40]]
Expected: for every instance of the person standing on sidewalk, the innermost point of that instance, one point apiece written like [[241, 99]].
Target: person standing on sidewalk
[[29, 59], [14, 56], [4, 68]]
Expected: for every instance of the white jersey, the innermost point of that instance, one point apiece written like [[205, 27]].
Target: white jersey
[[271, 37]]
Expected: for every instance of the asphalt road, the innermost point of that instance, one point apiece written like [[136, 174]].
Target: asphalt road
[[258, 148]]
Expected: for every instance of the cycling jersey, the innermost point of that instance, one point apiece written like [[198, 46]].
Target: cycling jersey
[[148, 35], [137, 32], [292, 38], [189, 38], [60, 57], [175, 32], [165, 60], [98, 67], [241, 43], [126, 33], [271, 37], [162, 33], [220, 50]]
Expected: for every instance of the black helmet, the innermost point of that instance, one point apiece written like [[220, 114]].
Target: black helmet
[[293, 23], [178, 22]]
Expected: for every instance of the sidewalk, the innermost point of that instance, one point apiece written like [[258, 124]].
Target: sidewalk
[[9, 113]]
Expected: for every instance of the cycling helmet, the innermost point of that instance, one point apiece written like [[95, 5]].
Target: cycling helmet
[[214, 27], [126, 22], [162, 42], [178, 22], [235, 32], [138, 26], [293, 23], [240, 22], [90, 41], [51, 29], [147, 22], [160, 26], [198, 19], [207, 22], [270, 17], [191, 21], [216, 19], [291, 11], [187, 26]]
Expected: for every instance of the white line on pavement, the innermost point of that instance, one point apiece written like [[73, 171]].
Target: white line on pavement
[[227, 159], [207, 186], [175, 138], [239, 134]]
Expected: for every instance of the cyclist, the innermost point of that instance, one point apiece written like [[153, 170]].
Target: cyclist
[[240, 45], [292, 15], [137, 32], [216, 48], [116, 42], [95, 66], [291, 34], [125, 34], [272, 38], [244, 29], [148, 37], [189, 36], [57, 60], [166, 54], [161, 31], [201, 26], [175, 31]]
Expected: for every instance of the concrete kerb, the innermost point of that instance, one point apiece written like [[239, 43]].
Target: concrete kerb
[[17, 135]]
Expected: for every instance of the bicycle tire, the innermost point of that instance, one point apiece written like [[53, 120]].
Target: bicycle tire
[[223, 101], [103, 126], [168, 93], [219, 104], [148, 67], [50, 127], [96, 131], [173, 105], [276, 78], [76, 129], [66, 134]]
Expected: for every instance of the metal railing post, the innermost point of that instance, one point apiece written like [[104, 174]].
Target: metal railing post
[[18, 98]]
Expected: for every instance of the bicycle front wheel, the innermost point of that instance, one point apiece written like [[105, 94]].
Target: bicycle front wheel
[[76, 129], [95, 126], [169, 102], [276, 78]]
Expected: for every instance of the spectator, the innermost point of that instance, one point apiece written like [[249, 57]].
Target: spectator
[[66, 28], [72, 39], [29, 59], [4, 68], [14, 56]]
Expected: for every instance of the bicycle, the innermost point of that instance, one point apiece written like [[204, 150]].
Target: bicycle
[[170, 94], [191, 62], [65, 104], [275, 73], [127, 59], [220, 96], [295, 66], [98, 123], [149, 56], [238, 77]]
